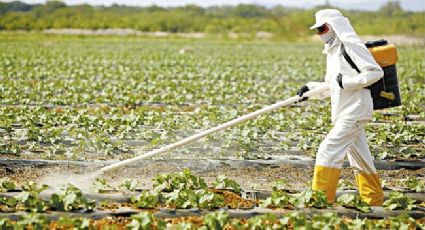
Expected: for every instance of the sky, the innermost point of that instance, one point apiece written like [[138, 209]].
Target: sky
[[414, 5]]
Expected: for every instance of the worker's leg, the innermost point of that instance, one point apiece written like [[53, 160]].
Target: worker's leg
[[331, 154], [366, 176]]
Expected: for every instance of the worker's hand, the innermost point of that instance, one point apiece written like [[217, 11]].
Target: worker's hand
[[339, 80], [301, 91]]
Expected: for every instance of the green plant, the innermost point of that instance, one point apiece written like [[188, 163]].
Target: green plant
[[145, 221], [71, 199], [404, 221], [181, 181], [328, 220], [353, 201], [67, 222], [129, 184], [413, 184], [216, 220], [279, 184], [398, 200], [295, 219], [8, 201], [209, 200], [222, 182], [185, 226], [185, 198], [13, 149], [6, 224], [102, 185], [266, 221], [310, 198], [29, 198], [7, 186], [146, 199], [278, 199], [32, 221]]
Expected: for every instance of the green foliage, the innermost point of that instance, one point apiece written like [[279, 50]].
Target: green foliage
[[278, 199], [6, 185], [94, 103], [188, 198], [101, 185], [328, 220], [145, 221], [413, 184], [244, 18], [221, 220], [67, 222], [209, 200], [185, 198], [71, 199], [403, 221], [266, 221], [398, 200], [8, 201], [29, 198], [353, 201], [10, 148], [296, 219], [307, 198], [222, 182], [178, 181], [310, 198], [129, 184], [279, 184], [216, 220], [146, 199], [319, 221], [185, 226], [35, 221], [6, 224]]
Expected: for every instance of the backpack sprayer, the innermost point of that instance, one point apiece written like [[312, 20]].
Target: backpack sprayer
[[207, 132], [385, 92]]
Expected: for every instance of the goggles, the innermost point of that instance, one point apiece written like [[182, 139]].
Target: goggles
[[323, 29]]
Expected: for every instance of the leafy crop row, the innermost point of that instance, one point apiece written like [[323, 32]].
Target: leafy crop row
[[215, 220], [99, 98], [184, 190]]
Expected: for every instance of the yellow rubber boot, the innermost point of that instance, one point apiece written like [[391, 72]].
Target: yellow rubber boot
[[370, 189], [326, 179]]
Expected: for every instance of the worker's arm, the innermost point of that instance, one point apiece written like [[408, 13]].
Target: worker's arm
[[370, 71], [311, 86]]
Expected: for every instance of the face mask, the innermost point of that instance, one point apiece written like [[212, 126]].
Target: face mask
[[329, 36]]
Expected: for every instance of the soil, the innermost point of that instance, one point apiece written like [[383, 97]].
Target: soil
[[247, 177]]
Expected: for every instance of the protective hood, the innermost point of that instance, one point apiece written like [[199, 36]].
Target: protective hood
[[340, 24]]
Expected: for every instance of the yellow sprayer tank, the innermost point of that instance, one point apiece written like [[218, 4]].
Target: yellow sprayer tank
[[385, 92]]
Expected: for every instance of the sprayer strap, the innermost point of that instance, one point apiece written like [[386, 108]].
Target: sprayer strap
[[348, 58]]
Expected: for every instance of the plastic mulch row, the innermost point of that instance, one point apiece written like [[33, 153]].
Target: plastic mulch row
[[208, 164]]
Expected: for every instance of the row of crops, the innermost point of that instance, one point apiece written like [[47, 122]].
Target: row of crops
[[103, 98], [212, 206]]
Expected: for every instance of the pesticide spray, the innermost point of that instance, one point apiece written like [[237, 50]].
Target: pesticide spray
[[87, 179]]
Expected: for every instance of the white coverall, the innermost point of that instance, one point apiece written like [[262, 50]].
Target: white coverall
[[352, 108]]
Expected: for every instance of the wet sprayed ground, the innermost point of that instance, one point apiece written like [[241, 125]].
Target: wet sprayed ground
[[247, 177]]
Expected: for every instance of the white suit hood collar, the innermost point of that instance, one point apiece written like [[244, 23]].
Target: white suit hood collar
[[340, 24]]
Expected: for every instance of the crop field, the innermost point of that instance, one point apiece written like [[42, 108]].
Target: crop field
[[71, 104]]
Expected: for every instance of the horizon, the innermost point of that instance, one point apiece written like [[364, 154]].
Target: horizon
[[410, 5]]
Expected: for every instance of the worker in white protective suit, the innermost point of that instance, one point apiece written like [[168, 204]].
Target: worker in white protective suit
[[352, 108]]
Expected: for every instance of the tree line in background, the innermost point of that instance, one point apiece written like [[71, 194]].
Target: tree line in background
[[244, 18]]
